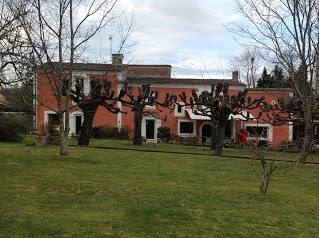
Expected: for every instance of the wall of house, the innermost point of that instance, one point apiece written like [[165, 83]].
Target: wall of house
[[166, 117], [277, 134], [47, 104]]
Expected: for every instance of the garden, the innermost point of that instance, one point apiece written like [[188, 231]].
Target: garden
[[113, 189]]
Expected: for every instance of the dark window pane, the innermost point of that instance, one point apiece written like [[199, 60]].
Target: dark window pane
[[186, 127], [53, 120], [257, 131]]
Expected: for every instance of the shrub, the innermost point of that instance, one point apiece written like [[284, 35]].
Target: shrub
[[109, 132], [53, 136], [13, 127], [164, 133]]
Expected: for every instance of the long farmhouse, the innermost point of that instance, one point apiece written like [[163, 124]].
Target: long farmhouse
[[183, 122]]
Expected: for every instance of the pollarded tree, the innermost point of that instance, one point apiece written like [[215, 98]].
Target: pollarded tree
[[290, 110], [218, 105], [101, 95], [287, 31], [137, 103]]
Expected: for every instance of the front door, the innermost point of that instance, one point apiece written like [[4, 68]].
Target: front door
[[78, 124], [206, 133], [150, 129], [207, 130]]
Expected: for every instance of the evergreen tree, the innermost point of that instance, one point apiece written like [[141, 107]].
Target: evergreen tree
[[265, 81], [276, 79]]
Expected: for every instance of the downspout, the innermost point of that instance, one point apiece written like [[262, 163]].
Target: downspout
[[35, 101], [119, 104]]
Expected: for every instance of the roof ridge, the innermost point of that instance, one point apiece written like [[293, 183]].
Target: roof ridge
[[154, 77], [187, 81], [270, 89]]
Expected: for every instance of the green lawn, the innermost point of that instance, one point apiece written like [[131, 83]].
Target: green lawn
[[118, 193]]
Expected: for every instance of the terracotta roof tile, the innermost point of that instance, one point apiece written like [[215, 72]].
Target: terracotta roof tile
[[271, 89], [180, 81], [101, 67]]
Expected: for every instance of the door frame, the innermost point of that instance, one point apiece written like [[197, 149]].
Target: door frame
[[154, 126], [157, 124], [72, 121]]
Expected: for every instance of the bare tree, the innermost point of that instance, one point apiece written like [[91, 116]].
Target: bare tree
[[266, 170], [90, 103], [137, 103], [14, 56], [247, 64], [58, 32], [287, 32], [218, 105]]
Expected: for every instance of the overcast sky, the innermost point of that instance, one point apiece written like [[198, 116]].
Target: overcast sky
[[188, 34]]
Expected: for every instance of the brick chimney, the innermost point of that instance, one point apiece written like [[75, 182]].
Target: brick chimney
[[117, 58], [235, 76]]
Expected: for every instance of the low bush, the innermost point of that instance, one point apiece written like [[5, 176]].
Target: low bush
[[13, 127], [109, 132], [164, 133], [53, 136]]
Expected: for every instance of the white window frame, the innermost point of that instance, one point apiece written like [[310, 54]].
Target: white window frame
[[158, 124], [186, 134], [269, 131], [46, 119], [148, 106], [73, 122], [182, 113], [86, 85]]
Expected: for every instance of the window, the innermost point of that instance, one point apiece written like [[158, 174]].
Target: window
[[257, 131], [81, 82], [186, 127], [53, 119], [180, 109], [153, 106], [84, 84], [260, 131]]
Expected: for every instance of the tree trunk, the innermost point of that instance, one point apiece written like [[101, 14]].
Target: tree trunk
[[307, 140], [264, 178], [64, 142], [266, 175], [213, 135], [220, 137], [137, 139], [84, 138]]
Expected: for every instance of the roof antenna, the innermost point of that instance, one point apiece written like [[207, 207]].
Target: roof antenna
[[111, 39]]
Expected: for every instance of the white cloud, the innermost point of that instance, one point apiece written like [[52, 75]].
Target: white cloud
[[182, 33]]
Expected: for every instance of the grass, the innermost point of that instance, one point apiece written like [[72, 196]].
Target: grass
[[194, 149], [117, 193]]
